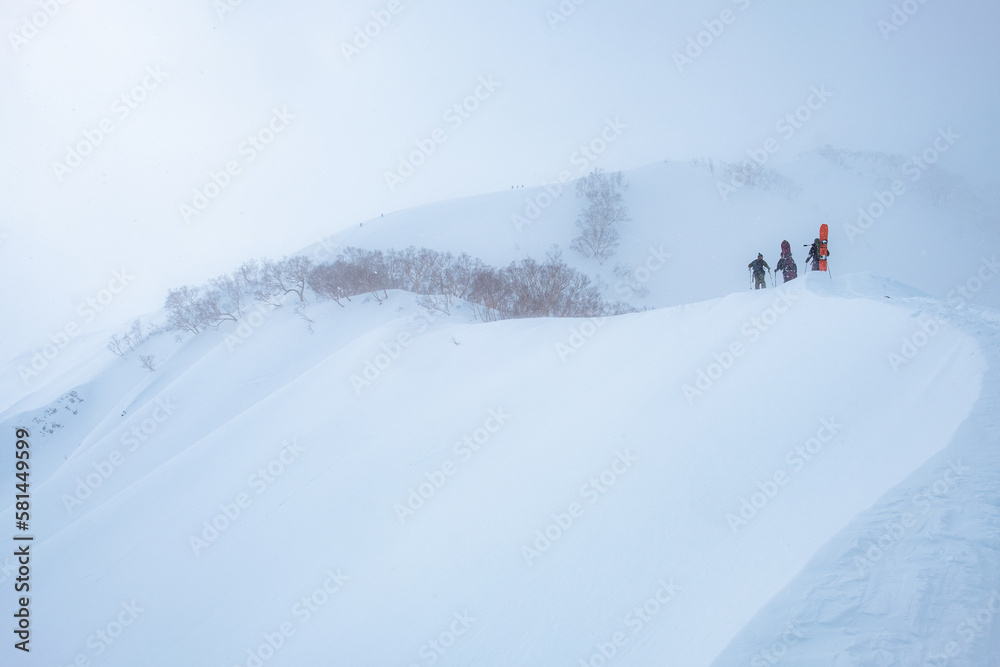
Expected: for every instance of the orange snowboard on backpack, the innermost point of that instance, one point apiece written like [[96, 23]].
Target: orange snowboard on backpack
[[824, 234]]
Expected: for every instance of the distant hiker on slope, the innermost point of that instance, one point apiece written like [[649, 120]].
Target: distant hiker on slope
[[758, 266], [786, 264], [814, 255]]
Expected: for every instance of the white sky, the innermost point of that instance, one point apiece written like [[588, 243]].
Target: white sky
[[353, 119]]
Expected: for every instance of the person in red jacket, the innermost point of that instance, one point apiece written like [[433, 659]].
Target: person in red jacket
[[786, 264]]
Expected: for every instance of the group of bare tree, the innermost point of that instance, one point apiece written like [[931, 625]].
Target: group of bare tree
[[732, 176], [131, 339], [527, 288], [225, 298], [523, 289], [137, 334]]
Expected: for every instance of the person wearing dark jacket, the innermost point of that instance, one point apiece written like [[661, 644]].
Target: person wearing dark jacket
[[757, 267], [814, 255]]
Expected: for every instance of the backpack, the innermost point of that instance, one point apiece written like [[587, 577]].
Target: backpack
[[787, 265]]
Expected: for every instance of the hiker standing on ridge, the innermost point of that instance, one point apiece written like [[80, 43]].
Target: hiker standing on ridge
[[758, 266], [786, 264], [814, 255]]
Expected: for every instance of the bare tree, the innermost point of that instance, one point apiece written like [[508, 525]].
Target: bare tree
[[137, 333], [551, 289], [232, 293], [215, 307], [598, 223], [184, 312], [117, 345], [393, 269], [368, 271], [491, 291], [624, 271], [148, 362], [417, 268], [434, 302], [254, 277], [460, 273], [326, 281], [289, 276]]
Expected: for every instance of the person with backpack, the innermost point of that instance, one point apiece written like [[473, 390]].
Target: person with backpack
[[786, 264], [757, 267], [814, 255]]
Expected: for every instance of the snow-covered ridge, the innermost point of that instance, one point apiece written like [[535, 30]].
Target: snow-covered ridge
[[588, 485], [529, 500]]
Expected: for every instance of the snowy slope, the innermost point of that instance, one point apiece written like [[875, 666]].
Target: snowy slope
[[718, 530], [604, 440], [803, 476], [915, 579], [677, 211]]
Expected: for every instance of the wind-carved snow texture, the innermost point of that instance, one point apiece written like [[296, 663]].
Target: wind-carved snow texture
[[915, 580], [581, 517], [688, 484]]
